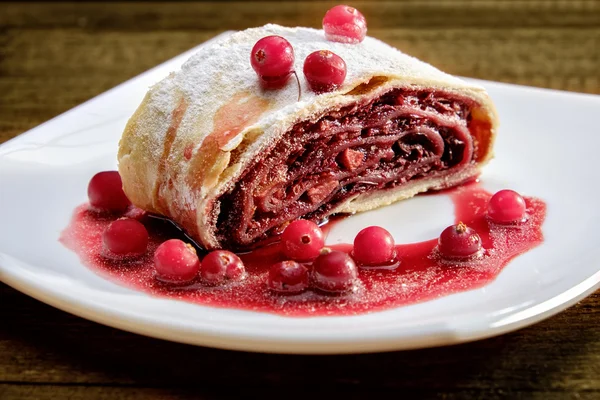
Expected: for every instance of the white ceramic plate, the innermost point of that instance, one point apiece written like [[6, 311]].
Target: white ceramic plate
[[547, 147]]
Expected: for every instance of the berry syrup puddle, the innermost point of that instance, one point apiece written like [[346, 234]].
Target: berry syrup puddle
[[422, 274]]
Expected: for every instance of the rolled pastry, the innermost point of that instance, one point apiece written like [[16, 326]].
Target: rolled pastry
[[232, 163]]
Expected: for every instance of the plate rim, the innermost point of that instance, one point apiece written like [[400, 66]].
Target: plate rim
[[307, 346], [487, 328]]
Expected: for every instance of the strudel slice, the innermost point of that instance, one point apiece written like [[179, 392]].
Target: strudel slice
[[233, 163]]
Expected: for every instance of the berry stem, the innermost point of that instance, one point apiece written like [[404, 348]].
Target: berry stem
[[299, 88], [325, 250]]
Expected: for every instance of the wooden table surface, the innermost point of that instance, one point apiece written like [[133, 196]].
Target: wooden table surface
[[55, 56]]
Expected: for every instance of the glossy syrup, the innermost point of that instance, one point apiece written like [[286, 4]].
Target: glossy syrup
[[422, 274]]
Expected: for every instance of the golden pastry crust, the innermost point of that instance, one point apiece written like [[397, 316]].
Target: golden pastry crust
[[199, 129]]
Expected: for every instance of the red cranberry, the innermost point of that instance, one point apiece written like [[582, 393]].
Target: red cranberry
[[459, 242], [176, 261], [220, 265], [374, 246], [272, 58], [506, 207], [288, 277], [105, 192], [334, 271], [125, 238], [302, 240], [344, 24], [324, 70]]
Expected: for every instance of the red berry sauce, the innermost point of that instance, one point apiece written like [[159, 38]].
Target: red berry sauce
[[422, 274]]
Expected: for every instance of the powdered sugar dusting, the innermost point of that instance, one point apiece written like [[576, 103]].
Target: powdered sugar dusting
[[212, 76], [222, 69], [220, 72]]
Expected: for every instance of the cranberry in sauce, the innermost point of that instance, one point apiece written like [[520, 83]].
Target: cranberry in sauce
[[176, 261], [220, 265], [302, 240], [125, 238], [334, 272], [507, 207], [374, 246], [459, 242], [105, 192], [288, 277]]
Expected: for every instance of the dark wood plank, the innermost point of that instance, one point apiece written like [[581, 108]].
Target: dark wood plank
[[45, 72], [211, 15], [55, 56], [42, 345], [15, 392]]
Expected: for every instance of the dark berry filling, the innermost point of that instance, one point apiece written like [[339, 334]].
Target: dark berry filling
[[400, 136]]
